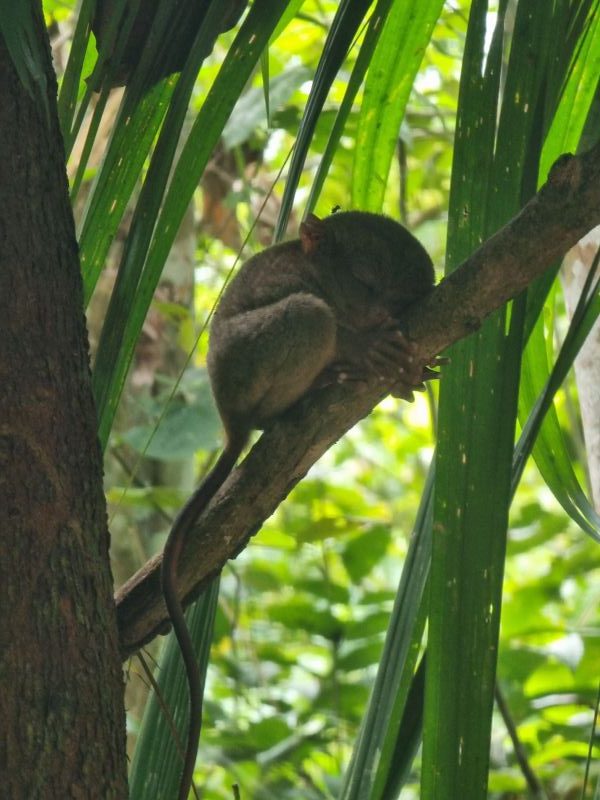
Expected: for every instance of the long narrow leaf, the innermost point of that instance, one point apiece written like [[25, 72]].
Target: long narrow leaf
[[551, 452], [542, 426], [69, 89], [156, 764], [17, 28], [133, 134], [399, 53], [373, 760], [346, 23], [356, 78], [477, 414], [137, 279]]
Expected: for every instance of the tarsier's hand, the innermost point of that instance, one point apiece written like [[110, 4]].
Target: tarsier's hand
[[393, 355], [405, 391], [384, 353]]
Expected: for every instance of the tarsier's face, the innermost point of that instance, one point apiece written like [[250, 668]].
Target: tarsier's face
[[386, 260], [368, 266]]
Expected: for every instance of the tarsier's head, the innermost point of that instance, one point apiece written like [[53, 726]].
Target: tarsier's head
[[379, 253]]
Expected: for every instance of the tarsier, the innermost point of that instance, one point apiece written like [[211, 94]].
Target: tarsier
[[321, 309]]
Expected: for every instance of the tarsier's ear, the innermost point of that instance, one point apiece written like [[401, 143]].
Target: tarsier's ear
[[311, 232]]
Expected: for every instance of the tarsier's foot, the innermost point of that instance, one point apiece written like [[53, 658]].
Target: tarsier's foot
[[405, 391]]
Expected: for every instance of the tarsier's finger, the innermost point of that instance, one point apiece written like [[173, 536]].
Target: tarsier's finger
[[345, 372], [330, 375], [403, 392], [406, 344], [353, 377], [392, 351], [405, 374], [391, 328], [439, 361], [396, 339], [380, 362], [430, 374]]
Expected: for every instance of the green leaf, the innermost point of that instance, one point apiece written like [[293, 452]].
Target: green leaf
[[477, 414], [18, 25], [364, 551], [538, 386], [157, 761], [542, 433], [359, 657], [326, 589], [135, 130], [183, 431], [250, 112], [365, 626], [392, 71], [301, 614], [576, 99], [152, 233], [358, 73], [373, 765], [348, 19], [70, 85]]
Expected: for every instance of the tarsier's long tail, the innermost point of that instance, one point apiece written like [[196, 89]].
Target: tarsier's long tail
[[183, 524]]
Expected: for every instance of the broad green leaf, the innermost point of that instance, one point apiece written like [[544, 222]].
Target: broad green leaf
[[183, 431], [360, 656], [250, 111], [332, 592], [302, 614], [364, 551], [368, 625], [477, 413]]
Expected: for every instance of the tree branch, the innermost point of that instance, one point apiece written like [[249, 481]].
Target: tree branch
[[566, 208]]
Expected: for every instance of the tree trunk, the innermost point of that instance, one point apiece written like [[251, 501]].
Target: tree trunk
[[575, 270], [61, 704]]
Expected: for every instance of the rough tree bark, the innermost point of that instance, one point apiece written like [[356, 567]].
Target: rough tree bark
[[63, 722], [566, 208]]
